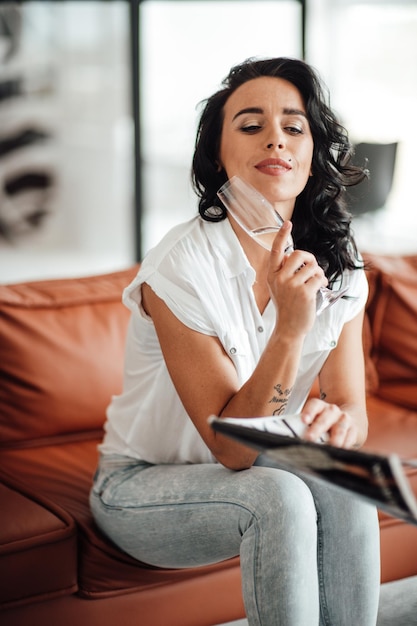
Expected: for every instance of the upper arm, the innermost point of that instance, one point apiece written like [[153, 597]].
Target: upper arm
[[202, 373]]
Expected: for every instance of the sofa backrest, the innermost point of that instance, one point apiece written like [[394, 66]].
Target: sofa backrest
[[392, 312], [62, 348]]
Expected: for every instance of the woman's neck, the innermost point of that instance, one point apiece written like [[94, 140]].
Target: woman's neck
[[258, 257]]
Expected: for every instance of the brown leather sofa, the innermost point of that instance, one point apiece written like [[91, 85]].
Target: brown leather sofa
[[62, 345]]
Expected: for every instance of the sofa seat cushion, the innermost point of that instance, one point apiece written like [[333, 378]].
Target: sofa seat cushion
[[38, 548], [398, 548], [393, 429], [103, 570]]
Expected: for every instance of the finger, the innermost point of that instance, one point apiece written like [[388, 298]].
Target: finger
[[340, 433], [280, 243], [340, 428], [323, 421], [321, 417], [351, 440], [305, 265], [319, 280], [312, 407], [308, 279]]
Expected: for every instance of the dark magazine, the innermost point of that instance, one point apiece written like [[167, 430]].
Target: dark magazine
[[379, 479]]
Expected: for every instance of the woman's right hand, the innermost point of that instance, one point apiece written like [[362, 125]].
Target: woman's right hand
[[293, 281]]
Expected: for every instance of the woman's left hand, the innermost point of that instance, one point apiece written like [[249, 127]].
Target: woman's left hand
[[325, 418]]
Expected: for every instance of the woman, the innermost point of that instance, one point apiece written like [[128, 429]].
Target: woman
[[222, 326]]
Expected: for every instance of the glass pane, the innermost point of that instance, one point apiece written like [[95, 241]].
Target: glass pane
[[367, 53], [186, 50], [66, 171]]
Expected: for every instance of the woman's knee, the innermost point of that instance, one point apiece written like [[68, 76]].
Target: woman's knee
[[279, 495]]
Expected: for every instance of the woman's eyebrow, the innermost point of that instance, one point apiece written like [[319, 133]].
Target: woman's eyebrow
[[248, 110], [294, 112], [259, 110]]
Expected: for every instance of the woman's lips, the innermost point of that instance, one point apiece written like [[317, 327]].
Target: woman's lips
[[273, 167]]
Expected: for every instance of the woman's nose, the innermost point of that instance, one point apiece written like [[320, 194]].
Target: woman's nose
[[277, 140], [275, 135], [279, 145]]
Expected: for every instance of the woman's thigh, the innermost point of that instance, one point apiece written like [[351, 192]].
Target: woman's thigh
[[189, 515]]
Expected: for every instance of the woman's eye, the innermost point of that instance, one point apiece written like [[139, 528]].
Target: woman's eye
[[294, 130], [250, 128]]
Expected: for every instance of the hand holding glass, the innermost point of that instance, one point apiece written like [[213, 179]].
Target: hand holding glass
[[260, 220]]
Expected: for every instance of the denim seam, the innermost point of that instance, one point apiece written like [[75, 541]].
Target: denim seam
[[256, 569], [320, 567], [218, 501], [119, 507]]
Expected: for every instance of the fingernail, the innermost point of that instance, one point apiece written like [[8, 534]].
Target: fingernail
[[307, 418]]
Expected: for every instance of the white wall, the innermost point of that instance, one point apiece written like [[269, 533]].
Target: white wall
[[75, 57]]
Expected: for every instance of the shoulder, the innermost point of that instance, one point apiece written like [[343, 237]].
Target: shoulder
[[186, 234], [169, 261], [197, 251], [189, 271]]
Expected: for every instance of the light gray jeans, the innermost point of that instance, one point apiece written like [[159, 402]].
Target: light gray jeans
[[309, 552]]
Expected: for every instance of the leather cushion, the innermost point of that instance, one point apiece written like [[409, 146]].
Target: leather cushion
[[392, 310], [38, 550], [393, 430], [103, 570], [62, 353]]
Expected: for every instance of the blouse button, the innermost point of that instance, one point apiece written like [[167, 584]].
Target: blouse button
[[260, 329], [332, 343], [232, 350]]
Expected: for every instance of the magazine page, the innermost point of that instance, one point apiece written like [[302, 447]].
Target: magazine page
[[379, 479]]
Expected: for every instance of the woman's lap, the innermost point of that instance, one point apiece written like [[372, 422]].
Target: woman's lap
[[185, 515], [316, 545]]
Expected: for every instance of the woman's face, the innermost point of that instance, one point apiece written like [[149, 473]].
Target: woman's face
[[266, 140]]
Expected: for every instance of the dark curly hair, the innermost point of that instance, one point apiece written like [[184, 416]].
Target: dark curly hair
[[321, 222]]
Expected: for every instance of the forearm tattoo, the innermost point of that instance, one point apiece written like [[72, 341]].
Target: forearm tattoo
[[281, 399], [323, 394]]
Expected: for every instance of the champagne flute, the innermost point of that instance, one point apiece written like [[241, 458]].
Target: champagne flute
[[261, 221]]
